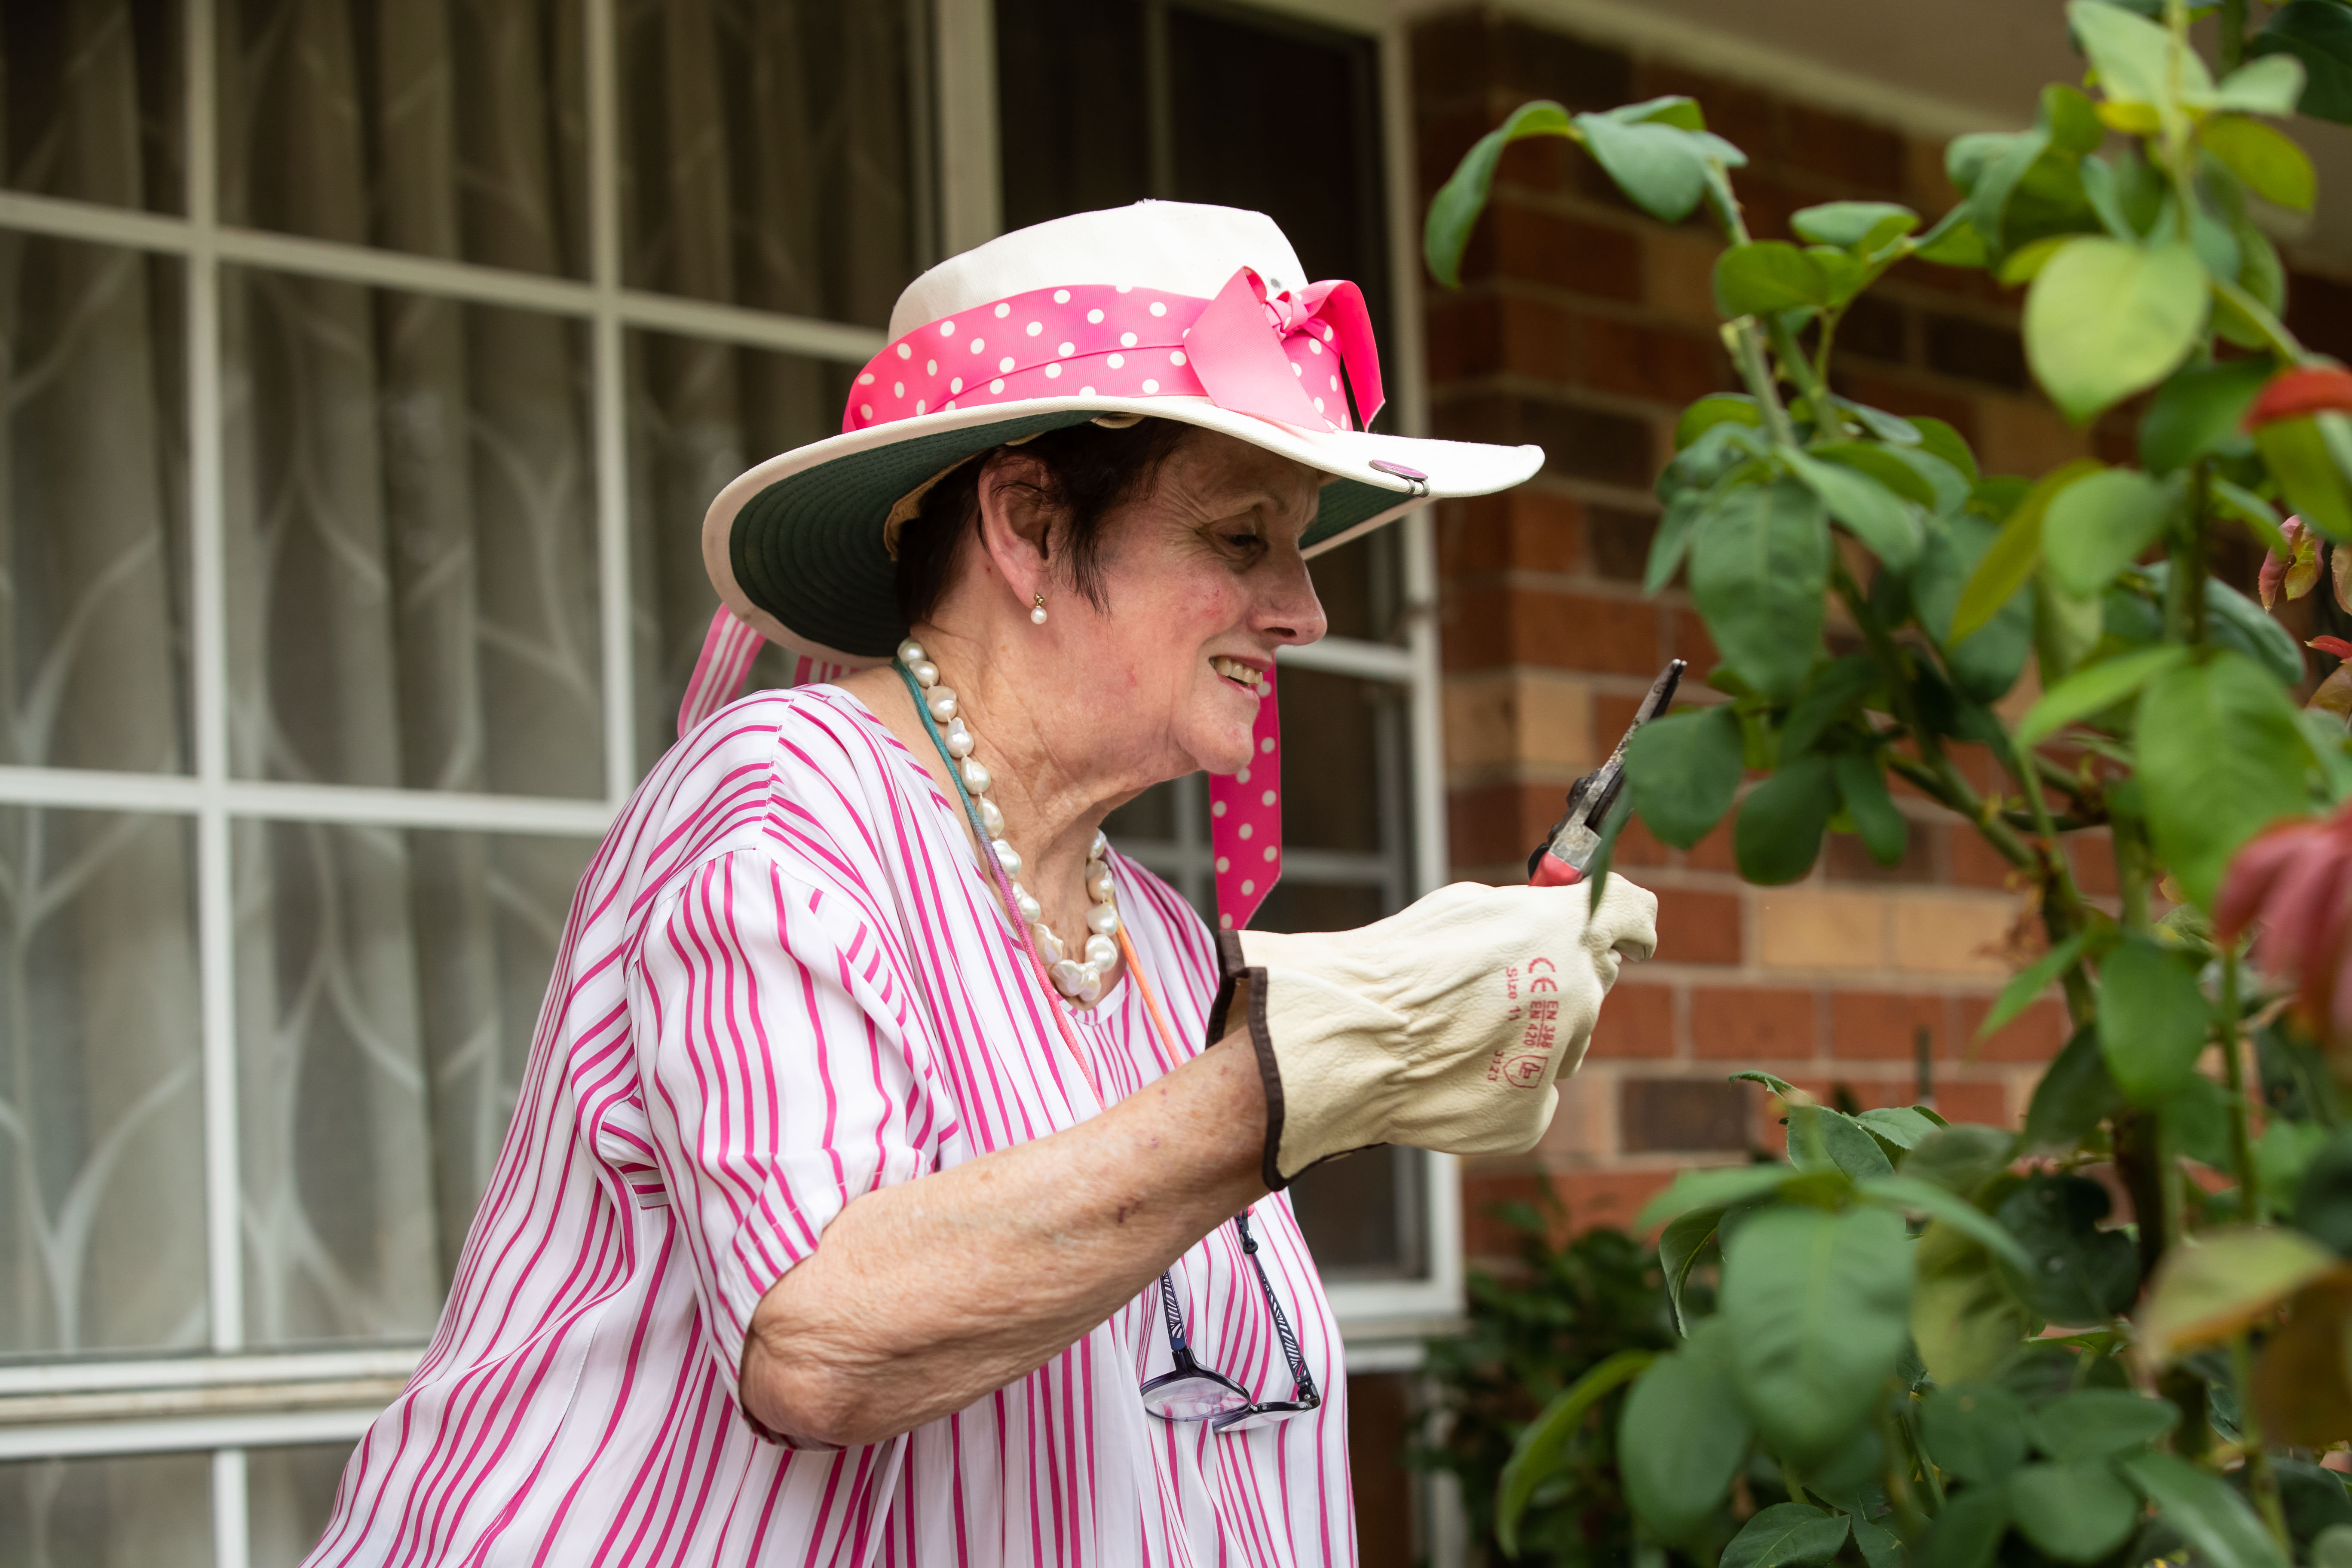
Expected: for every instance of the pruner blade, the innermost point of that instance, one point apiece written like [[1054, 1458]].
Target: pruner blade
[[1562, 859]]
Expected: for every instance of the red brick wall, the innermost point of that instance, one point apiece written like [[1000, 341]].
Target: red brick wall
[[1584, 327]]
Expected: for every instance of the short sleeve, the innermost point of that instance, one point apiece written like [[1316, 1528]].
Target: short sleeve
[[779, 1083]]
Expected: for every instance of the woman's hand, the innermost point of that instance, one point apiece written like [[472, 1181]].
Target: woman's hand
[[925, 1298], [1442, 1027]]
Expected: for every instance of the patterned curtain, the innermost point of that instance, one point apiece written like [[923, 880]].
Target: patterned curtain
[[411, 558]]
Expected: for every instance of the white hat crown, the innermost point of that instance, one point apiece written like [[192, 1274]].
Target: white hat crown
[[1181, 247]]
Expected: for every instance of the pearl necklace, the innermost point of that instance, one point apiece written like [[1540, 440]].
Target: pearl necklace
[[1079, 979]]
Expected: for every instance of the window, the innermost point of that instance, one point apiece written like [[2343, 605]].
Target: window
[[1109, 101], [368, 368]]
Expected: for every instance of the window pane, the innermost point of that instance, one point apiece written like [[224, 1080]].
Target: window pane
[[93, 577], [387, 986], [289, 1494], [699, 414], [429, 126], [1362, 1215], [1361, 585], [767, 154], [1343, 763], [101, 1102], [411, 540], [151, 1509], [94, 105], [1242, 86], [1072, 95]]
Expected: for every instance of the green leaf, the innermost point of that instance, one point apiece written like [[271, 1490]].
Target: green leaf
[[1455, 210], [2272, 166], [1862, 787], [1821, 1139], [1963, 1318], [1767, 277], [2099, 524], [2076, 1513], [1834, 690], [2099, 1423], [1881, 1547], [1679, 1244], [1896, 473], [1536, 1456], [1786, 1533], [1819, 1307], [1989, 167], [1670, 543], [1852, 226], [2207, 1511], [2105, 319], [1760, 566], [2137, 60], [1718, 1188], [2005, 567], [1974, 1431], [2075, 1094], [1670, 108], [2031, 982], [1716, 408], [1968, 1532], [1683, 1435], [1942, 441], [2270, 84], [2220, 1282], [1778, 834], [2234, 621], [1915, 1196], [1779, 1085], [1961, 1158], [1661, 168], [2152, 1019], [2197, 411], [1684, 769], [1904, 1126], [1953, 242], [2094, 690], [2081, 1274], [1871, 512], [2221, 758], [2319, 34], [2295, 450], [2260, 518]]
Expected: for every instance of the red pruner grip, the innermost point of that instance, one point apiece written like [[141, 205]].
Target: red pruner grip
[[1569, 850]]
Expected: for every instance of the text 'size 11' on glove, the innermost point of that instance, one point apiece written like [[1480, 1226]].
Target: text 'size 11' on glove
[[1442, 1027]]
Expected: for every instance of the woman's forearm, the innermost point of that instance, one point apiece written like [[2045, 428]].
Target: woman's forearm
[[924, 1297]]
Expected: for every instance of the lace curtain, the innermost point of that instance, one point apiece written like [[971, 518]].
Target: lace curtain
[[411, 558]]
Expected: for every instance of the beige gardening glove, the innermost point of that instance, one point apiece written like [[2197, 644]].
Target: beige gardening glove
[[1442, 1027]]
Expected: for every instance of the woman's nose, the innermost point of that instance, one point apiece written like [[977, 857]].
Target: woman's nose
[[1292, 611]]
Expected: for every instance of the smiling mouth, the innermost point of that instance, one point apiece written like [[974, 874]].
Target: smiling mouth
[[1239, 674]]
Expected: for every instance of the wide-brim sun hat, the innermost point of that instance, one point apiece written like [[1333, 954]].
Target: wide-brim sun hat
[[1162, 309]]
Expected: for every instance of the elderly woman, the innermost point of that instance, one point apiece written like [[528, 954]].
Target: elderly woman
[[897, 1174]]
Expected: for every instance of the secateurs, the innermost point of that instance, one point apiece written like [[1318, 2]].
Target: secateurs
[[1567, 850]]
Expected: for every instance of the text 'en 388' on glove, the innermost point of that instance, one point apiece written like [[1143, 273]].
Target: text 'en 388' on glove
[[1442, 1027]]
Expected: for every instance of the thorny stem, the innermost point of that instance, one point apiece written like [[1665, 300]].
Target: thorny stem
[[2260, 1479], [2252, 1205], [1746, 348]]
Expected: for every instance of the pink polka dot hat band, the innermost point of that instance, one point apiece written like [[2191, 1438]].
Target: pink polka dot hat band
[[1299, 359]]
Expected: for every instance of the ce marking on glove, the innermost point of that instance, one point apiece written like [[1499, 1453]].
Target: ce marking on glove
[[1525, 1067]]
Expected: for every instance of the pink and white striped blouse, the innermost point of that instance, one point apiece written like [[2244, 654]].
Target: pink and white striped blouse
[[784, 984]]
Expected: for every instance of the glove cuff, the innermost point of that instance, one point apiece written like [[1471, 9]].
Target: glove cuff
[[1234, 968]]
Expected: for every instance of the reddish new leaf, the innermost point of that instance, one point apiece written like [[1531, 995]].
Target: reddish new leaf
[[2306, 389]]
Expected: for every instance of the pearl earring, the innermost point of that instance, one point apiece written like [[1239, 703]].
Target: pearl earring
[[1037, 614]]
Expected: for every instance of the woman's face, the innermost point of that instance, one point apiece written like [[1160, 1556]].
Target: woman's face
[[1203, 580]]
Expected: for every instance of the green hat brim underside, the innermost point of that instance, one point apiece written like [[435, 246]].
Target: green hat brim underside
[[808, 549]]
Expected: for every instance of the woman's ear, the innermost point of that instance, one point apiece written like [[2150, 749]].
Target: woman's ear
[[1017, 522]]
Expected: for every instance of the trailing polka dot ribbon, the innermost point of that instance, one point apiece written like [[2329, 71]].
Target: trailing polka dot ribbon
[[1245, 821], [1299, 359]]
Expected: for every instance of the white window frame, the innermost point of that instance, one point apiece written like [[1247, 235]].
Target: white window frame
[[236, 1398]]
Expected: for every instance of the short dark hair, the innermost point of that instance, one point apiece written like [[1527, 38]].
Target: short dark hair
[[1084, 471]]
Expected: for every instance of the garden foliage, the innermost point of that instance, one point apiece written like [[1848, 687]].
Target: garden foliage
[[2124, 1333]]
